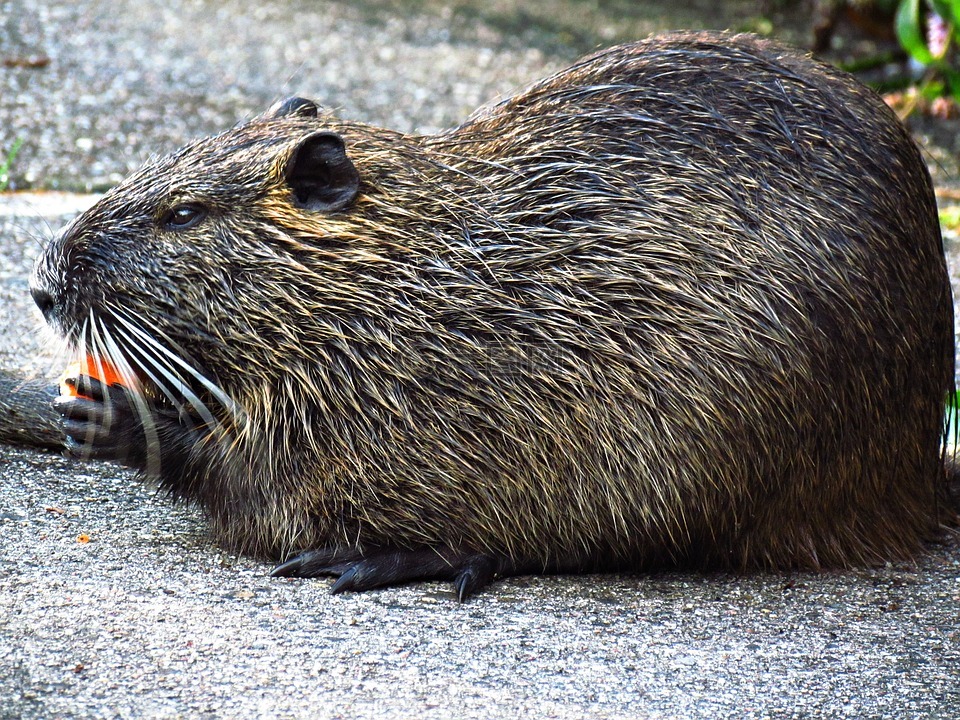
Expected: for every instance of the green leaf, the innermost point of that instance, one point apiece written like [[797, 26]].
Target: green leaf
[[949, 10], [932, 89], [951, 419], [8, 163], [909, 32], [953, 80], [950, 219]]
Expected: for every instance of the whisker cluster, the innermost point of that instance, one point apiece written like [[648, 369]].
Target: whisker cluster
[[153, 376]]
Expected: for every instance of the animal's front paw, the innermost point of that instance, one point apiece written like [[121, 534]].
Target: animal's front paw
[[358, 571], [101, 421]]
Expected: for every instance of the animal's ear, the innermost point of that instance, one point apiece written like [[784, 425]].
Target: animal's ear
[[294, 106], [321, 175]]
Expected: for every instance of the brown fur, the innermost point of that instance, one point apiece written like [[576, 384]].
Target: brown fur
[[684, 303]]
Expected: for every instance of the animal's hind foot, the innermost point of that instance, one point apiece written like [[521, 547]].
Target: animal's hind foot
[[358, 571]]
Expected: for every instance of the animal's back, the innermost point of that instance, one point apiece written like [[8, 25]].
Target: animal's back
[[719, 269]]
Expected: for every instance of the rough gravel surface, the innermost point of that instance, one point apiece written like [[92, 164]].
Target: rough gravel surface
[[115, 603]]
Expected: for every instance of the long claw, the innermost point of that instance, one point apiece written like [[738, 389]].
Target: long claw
[[290, 568], [383, 567], [474, 576], [352, 579]]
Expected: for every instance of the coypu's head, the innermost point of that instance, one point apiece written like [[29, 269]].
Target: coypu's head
[[176, 270]]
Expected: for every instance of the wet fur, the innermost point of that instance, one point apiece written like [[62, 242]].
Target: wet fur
[[683, 304]]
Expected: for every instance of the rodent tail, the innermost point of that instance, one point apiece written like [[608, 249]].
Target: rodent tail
[[27, 417]]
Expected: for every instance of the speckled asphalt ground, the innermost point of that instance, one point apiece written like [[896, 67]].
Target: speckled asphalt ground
[[150, 619]]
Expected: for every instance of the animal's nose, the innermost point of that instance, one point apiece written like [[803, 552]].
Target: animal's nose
[[54, 273], [44, 300], [43, 286]]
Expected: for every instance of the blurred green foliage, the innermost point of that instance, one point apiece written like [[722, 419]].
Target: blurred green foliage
[[929, 31], [8, 163]]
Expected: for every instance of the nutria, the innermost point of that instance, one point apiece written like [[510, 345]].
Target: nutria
[[683, 304]]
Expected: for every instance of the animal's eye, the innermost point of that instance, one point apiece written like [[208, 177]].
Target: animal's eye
[[182, 217]]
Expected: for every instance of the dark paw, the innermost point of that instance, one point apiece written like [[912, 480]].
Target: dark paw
[[358, 571], [100, 421], [112, 423]]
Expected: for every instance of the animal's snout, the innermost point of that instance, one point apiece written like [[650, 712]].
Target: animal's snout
[[47, 283], [44, 299]]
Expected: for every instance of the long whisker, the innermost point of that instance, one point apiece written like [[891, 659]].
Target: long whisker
[[119, 360], [170, 383], [98, 352], [81, 351], [228, 404]]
